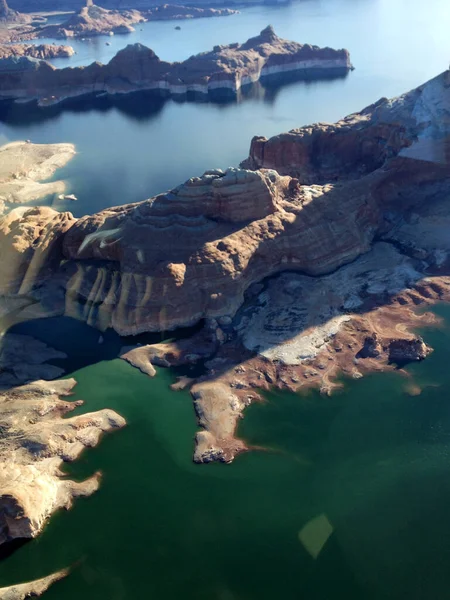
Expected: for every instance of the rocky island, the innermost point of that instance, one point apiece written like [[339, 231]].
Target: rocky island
[[94, 20], [218, 73], [309, 261]]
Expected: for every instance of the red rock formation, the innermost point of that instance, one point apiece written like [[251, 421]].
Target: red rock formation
[[222, 71], [324, 152]]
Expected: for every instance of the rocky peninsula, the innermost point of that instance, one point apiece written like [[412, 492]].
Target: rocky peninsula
[[308, 263], [218, 73]]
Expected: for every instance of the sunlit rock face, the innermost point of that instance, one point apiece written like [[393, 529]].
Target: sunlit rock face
[[415, 125], [31, 243], [36, 439], [7, 15]]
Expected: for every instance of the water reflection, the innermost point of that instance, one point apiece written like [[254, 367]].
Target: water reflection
[[147, 105]]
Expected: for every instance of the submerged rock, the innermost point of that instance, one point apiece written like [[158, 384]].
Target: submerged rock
[[408, 350], [35, 441]]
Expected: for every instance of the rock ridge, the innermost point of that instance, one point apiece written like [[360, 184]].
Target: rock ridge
[[222, 71]]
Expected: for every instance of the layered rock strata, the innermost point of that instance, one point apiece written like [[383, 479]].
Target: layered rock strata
[[224, 70]]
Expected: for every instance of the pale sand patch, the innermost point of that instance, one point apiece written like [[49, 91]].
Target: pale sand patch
[[23, 166]]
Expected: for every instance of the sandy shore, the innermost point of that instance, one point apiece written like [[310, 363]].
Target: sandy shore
[[24, 166]]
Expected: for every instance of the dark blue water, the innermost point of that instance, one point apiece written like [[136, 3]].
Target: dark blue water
[[136, 148]]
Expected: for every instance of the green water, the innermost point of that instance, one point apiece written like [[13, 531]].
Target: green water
[[372, 461]]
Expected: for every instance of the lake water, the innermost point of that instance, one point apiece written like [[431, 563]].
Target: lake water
[[135, 147], [350, 498], [368, 466]]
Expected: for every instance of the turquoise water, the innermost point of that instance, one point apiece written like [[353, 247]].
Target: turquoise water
[[133, 148], [371, 462]]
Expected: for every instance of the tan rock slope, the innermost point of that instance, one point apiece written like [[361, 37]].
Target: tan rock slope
[[224, 70], [24, 166]]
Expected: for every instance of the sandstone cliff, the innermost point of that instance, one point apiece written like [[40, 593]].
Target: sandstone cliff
[[413, 125], [224, 70]]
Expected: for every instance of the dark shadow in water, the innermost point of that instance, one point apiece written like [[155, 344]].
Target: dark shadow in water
[[147, 105], [85, 345], [8, 548]]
